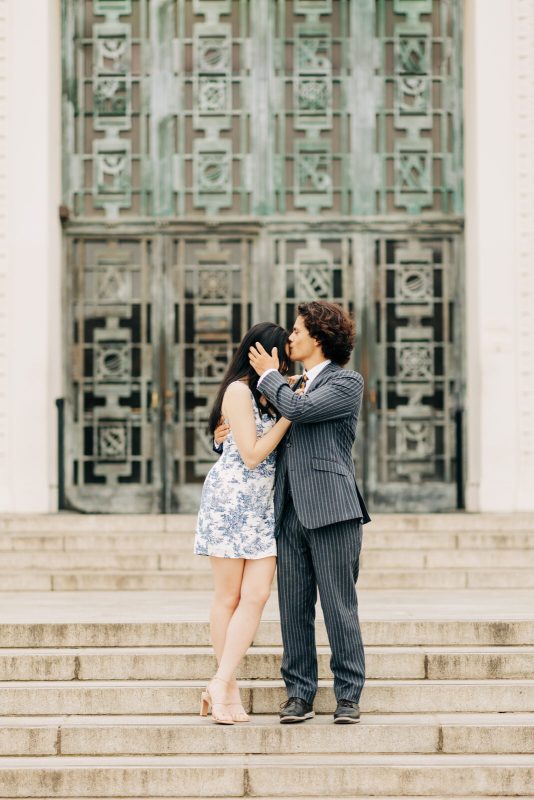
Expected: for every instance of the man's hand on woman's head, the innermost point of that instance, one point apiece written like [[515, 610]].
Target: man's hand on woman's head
[[260, 359], [221, 432]]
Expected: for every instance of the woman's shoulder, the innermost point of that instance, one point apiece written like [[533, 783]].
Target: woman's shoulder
[[237, 399], [237, 390], [239, 386]]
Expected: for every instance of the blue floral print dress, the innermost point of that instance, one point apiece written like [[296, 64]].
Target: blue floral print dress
[[236, 517]]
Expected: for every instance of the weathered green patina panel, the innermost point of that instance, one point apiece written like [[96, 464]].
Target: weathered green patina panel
[[224, 160]]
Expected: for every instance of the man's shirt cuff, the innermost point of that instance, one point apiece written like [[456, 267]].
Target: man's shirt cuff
[[271, 369]]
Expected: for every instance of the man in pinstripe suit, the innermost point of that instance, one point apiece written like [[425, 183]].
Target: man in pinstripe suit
[[319, 511]]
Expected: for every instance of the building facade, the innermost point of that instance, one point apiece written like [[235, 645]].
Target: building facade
[[174, 170]]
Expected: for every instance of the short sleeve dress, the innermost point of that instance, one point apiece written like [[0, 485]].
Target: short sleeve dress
[[236, 516]]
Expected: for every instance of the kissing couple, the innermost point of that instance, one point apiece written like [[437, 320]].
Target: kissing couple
[[283, 493]]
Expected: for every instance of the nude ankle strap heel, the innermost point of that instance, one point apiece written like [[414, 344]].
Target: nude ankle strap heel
[[206, 703], [238, 712]]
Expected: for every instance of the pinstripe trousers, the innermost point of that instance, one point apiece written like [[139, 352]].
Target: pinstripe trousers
[[326, 559]]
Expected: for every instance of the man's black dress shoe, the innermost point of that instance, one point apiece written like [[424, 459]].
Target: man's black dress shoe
[[347, 712], [296, 710]]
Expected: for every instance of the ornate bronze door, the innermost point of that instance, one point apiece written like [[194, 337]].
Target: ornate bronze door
[[225, 160]]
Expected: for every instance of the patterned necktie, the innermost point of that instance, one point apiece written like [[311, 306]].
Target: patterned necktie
[[305, 379]]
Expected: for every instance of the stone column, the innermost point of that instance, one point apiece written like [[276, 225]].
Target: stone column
[[30, 310], [499, 178]]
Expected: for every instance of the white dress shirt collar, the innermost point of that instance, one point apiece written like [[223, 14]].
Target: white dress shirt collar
[[314, 372]]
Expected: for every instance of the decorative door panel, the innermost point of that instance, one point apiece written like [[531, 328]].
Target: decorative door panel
[[154, 324], [212, 291], [416, 106], [312, 267], [413, 339], [112, 445], [225, 160]]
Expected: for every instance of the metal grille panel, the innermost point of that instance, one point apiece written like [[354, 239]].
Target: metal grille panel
[[111, 438], [225, 160], [213, 288], [418, 118], [416, 387]]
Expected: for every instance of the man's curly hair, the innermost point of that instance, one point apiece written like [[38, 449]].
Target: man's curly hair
[[331, 326]]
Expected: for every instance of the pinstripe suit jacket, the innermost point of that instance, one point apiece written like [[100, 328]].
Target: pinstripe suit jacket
[[315, 458]]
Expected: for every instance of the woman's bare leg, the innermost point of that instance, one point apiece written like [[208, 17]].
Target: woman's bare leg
[[227, 578], [255, 591]]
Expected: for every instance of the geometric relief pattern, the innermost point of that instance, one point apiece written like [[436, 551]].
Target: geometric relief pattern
[[107, 110], [156, 118], [109, 444], [312, 268], [167, 102], [225, 161], [211, 313], [418, 361], [418, 121], [213, 112], [309, 75]]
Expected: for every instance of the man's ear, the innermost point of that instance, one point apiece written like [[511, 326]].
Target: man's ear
[[319, 346]]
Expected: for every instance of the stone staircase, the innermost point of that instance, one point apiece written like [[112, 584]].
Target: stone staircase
[[70, 552], [99, 690]]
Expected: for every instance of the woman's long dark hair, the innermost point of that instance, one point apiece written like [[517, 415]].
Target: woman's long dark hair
[[269, 335]]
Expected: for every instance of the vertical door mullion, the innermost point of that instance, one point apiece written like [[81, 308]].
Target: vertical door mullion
[[158, 349], [364, 312], [179, 266], [168, 388]]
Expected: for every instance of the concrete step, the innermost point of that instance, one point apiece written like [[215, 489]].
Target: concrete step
[[52, 560], [444, 540], [182, 541], [180, 663], [375, 632], [25, 582], [317, 797], [501, 523], [296, 775], [100, 581], [128, 523], [175, 735], [369, 560], [23, 698], [181, 580], [81, 581]]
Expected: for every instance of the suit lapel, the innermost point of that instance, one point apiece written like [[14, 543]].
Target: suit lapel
[[324, 375]]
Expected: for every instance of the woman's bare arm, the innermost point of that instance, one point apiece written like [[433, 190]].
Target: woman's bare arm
[[238, 411]]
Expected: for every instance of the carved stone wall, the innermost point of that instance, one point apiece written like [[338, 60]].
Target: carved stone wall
[[523, 49], [499, 115], [4, 297], [29, 252]]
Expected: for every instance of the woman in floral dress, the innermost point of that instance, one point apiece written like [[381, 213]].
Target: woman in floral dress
[[236, 518]]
